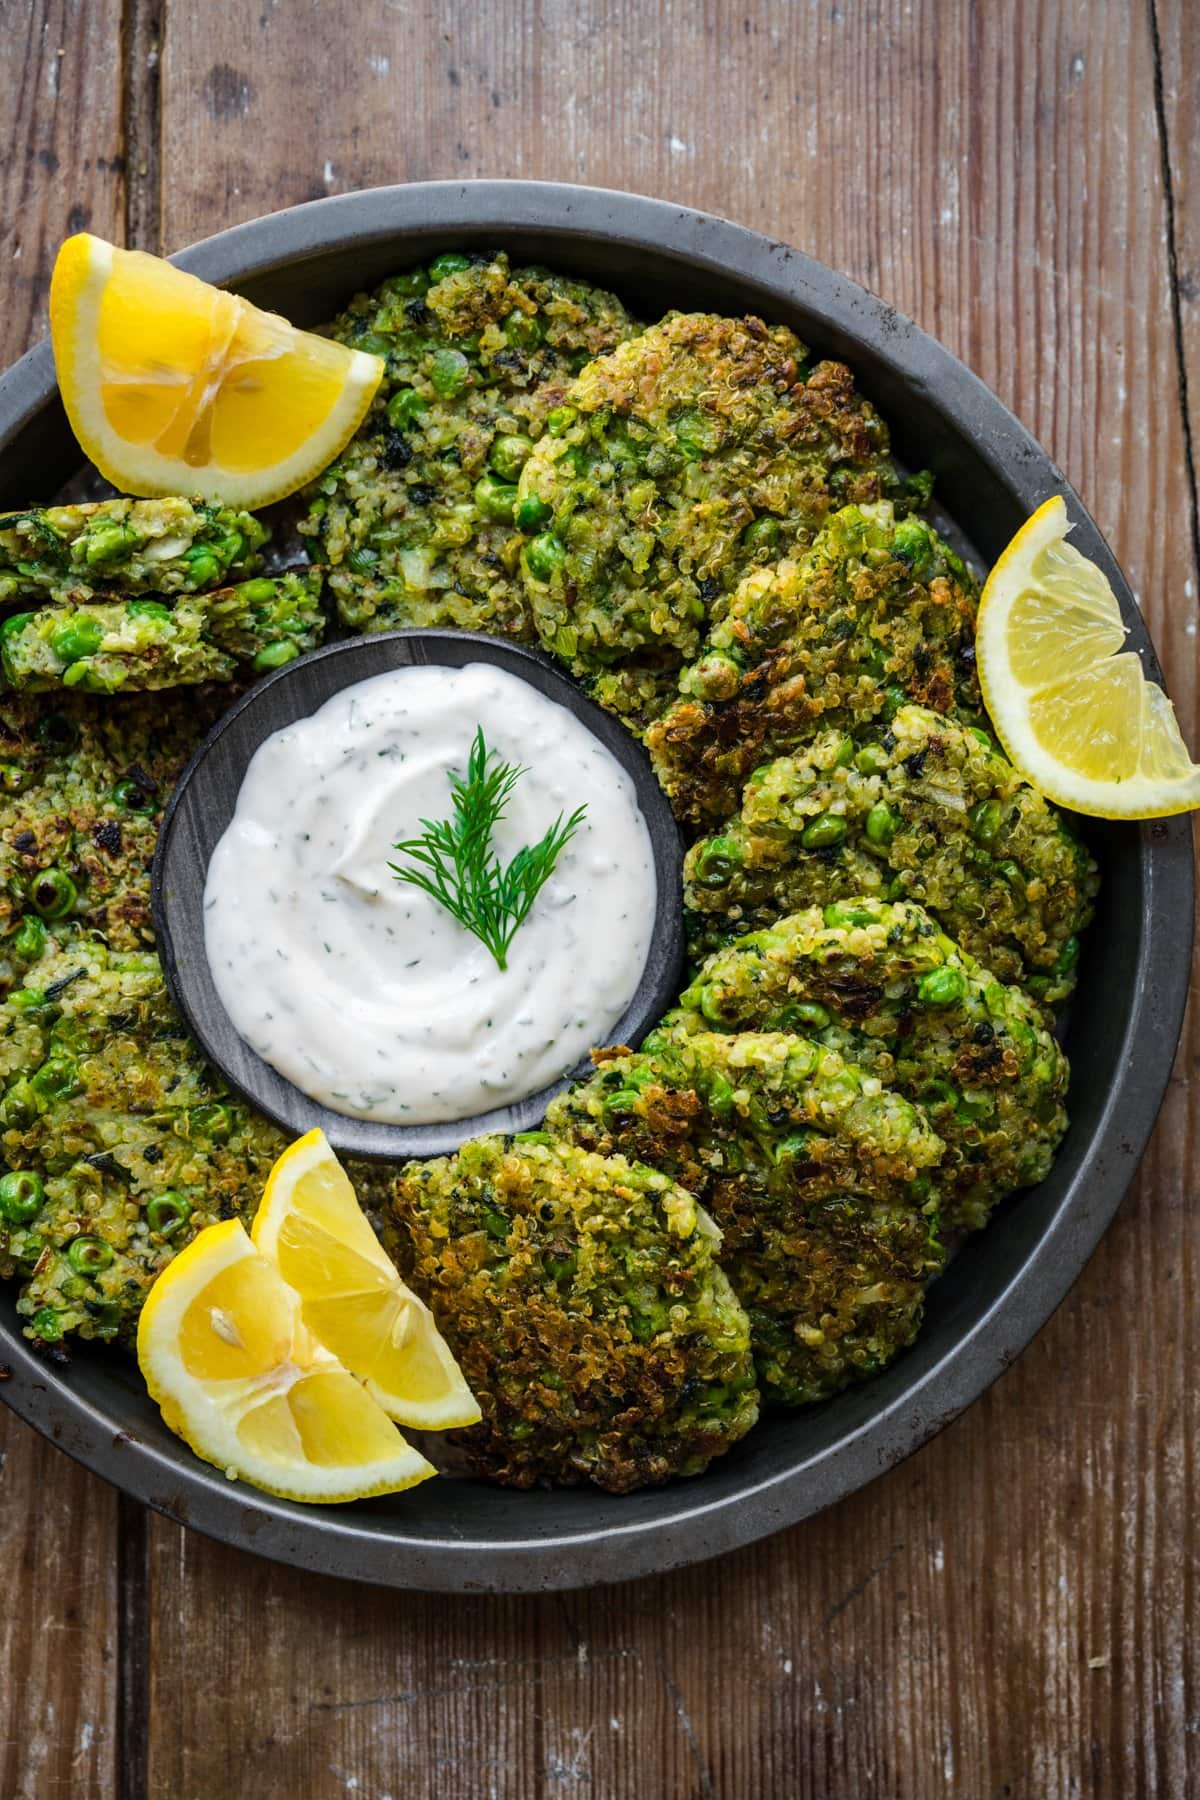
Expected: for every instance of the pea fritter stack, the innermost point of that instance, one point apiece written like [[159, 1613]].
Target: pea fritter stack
[[878, 611], [418, 521], [704, 524], [700, 450], [926, 810], [128, 597], [881, 984], [816, 1174]]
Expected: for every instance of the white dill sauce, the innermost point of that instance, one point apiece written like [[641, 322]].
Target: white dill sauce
[[362, 990]]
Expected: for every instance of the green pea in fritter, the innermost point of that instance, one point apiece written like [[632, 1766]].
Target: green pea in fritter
[[102, 547], [929, 812], [582, 1298], [881, 984], [418, 519], [82, 787], [876, 612], [678, 462], [107, 647], [119, 1142], [818, 1175]]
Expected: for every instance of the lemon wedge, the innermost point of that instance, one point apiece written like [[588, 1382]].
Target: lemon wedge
[[1074, 709], [239, 1376], [312, 1228], [175, 387]]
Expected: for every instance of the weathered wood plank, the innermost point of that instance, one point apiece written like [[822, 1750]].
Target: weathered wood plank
[[1176, 27], [58, 1612], [62, 162], [61, 170], [1014, 1610]]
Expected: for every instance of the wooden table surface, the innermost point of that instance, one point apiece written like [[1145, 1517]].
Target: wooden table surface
[[1014, 1611]]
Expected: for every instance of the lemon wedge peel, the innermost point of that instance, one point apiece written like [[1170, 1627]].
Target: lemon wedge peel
[[1074, 710], [240, 1378], [173, 386], [312, 1228]]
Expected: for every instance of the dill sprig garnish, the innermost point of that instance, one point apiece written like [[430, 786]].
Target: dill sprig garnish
[[457, 863]]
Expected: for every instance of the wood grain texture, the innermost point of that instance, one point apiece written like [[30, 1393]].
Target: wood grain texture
[[62, 162], [1175, 27], [58, 1619], [1013, 1611], [61, 170]]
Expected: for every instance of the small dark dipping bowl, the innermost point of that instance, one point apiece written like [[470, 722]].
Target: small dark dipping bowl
[[203, 804], [1003, 1285]]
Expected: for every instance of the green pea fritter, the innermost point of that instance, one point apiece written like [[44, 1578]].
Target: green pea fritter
[[928, 812], [821, 1179], [83, 781], [876, 612], [109, 647], [678, 462], [881, 984], [582, 1298], [102, 547], [119, 1141], [418, 519]]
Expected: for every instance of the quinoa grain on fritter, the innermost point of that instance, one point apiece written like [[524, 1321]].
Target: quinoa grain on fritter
[[582, 1299], [820, 1178], [876, 612], [928, 812], [678, 462], [417, 520], [881, 984]]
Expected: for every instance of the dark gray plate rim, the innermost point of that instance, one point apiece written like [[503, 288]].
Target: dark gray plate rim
[[200, 809], [539, 1541]]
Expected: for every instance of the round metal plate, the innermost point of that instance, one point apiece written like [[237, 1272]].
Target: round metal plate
[[464, 1536]]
